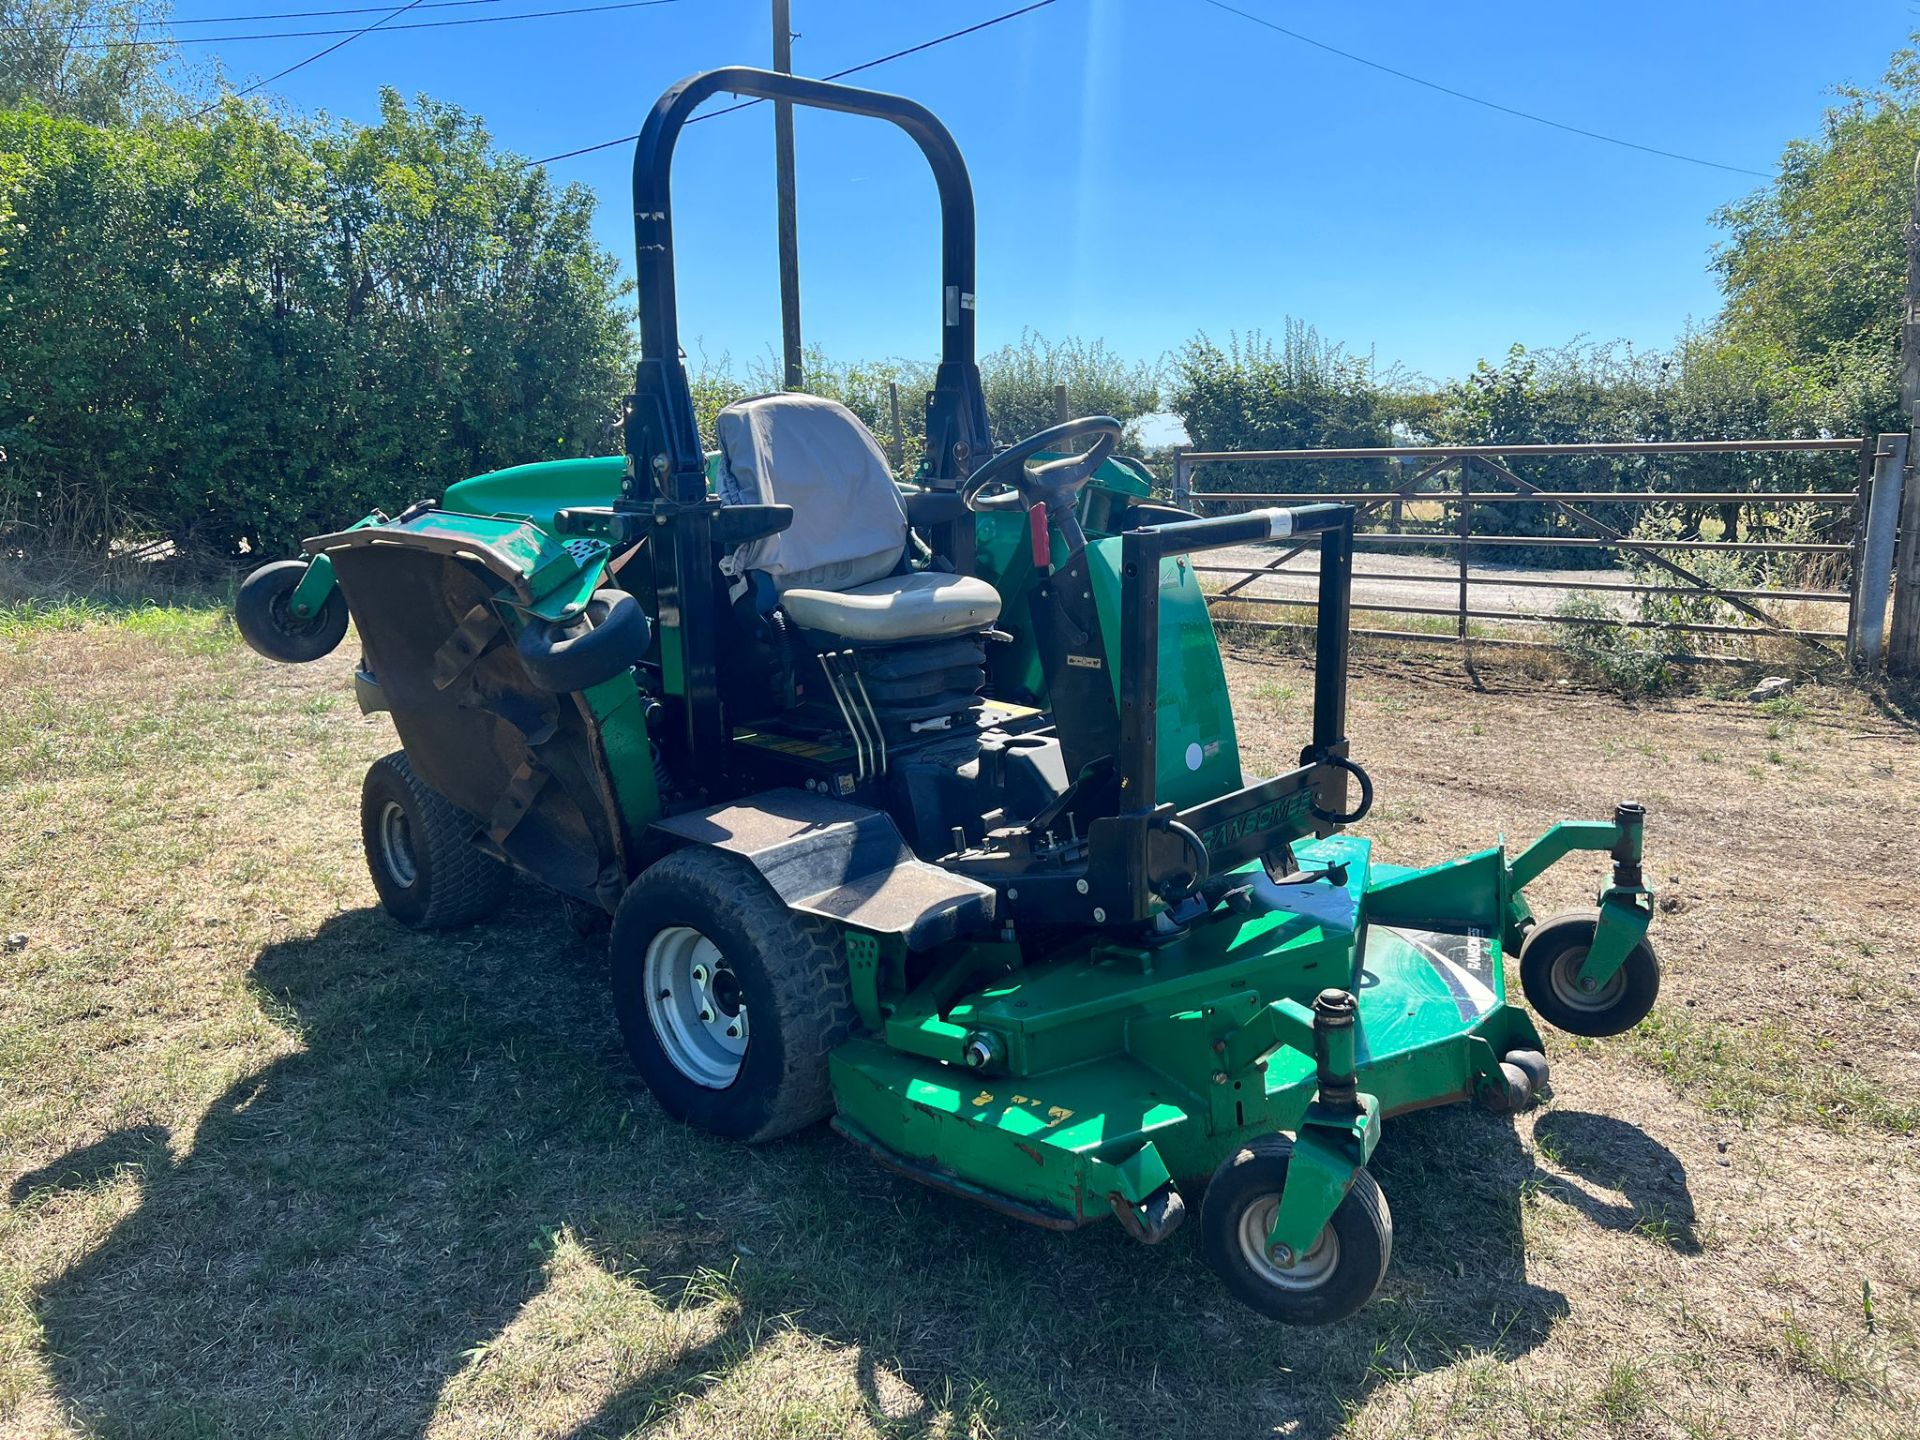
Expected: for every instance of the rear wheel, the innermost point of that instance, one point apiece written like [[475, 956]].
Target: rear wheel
[[420, 851], [1550, 974], [1335, 1276], [728, 1000]]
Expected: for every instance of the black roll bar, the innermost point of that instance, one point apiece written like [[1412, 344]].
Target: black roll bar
[[664, 490], [672, 435]]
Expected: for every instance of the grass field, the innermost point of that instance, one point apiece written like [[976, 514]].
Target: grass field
[[270, 1166]]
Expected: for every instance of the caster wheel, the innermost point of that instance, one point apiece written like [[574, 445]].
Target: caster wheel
[[610, 636], [1550, 975], [1535, 1065], [263, 613], [1509, 1094], [1336, 1276]]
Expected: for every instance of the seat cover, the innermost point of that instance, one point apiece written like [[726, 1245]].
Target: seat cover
[[920, 606], [849, 524]]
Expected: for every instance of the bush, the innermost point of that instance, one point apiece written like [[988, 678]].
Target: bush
[[239, 333], [1304, 393], [1632, 662]]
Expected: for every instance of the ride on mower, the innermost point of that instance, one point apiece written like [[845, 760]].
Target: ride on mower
[[921, 806]]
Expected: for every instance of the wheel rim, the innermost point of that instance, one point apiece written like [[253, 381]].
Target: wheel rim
[[1565, 980], [291, 624], [396, 844], [1304, 1272], [696, 1007]]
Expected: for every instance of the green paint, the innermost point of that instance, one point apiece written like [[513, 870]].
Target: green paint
[[1199, 750]]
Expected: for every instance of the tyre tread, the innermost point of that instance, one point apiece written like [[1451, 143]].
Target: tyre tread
[[806, 969], [465, 884]]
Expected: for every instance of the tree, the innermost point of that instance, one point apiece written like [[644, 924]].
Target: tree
[[101, 61], [1814, 266]]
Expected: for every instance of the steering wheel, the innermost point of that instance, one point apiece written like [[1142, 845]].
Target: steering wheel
[[1008, 482]]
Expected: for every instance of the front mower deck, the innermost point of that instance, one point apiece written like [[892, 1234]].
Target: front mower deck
[[1116, 1069]]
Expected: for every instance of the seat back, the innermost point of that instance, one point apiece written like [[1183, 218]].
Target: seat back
[[849, 525]]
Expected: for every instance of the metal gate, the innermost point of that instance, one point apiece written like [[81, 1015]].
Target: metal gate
[[1448, 493]]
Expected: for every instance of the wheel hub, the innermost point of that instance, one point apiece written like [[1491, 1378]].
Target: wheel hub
[[1579, 994], [1277, 1265], [396, 844], [696, 1006]]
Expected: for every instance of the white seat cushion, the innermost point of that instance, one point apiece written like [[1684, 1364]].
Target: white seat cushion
[[921, 606]]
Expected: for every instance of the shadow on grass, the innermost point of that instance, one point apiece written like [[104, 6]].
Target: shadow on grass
[[1612, 1154], [354, 1235]]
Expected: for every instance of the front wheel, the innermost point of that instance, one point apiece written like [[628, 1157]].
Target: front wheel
[[263, 614], [1337, 1275], [729, 1001], [1550, 965]]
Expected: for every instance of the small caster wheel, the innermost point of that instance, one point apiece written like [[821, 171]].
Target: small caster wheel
[[1535, 1066], [1337, 1275], [1550, 974], [263, 614], [1509, 1093]]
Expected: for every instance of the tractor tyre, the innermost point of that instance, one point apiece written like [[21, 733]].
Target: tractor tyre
[[1337, 1276], [1550, 964], [421, 854], [611, 635], [263, 614], [728, 1000]]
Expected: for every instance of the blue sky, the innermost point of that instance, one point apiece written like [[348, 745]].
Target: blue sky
[[1148, 168]]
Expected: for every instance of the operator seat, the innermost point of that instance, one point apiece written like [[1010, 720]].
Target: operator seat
[[837, 568], [908, 643]]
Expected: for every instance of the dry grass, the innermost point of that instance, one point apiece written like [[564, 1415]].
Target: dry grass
[[272, 1167]]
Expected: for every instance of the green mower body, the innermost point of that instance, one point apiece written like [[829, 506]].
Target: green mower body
[[962, 856]]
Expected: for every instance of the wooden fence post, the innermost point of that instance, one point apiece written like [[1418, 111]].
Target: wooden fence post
[[1903, 646]]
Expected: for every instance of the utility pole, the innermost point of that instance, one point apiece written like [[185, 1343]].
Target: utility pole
[[783, 188]]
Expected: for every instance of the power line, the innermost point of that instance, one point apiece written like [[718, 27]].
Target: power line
[[1477, 100], [317, 55], [384, 30], [271, 15], [836, 75]]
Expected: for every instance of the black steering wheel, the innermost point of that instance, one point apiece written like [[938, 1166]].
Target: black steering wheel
[[1008, 482]]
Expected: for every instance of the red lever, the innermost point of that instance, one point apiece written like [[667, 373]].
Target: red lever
[[1040, 536]]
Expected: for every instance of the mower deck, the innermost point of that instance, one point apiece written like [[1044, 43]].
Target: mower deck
[[1118, 1070]]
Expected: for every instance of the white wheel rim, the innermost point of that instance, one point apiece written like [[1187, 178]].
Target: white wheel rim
[[1303, 1272], [396, 844], [1565, 979], [695, 1006]]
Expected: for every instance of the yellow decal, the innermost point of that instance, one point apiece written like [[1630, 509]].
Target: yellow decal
[[1055, 1114], [983, 1097]]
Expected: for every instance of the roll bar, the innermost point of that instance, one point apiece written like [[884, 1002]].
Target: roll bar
[[662, 438]]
